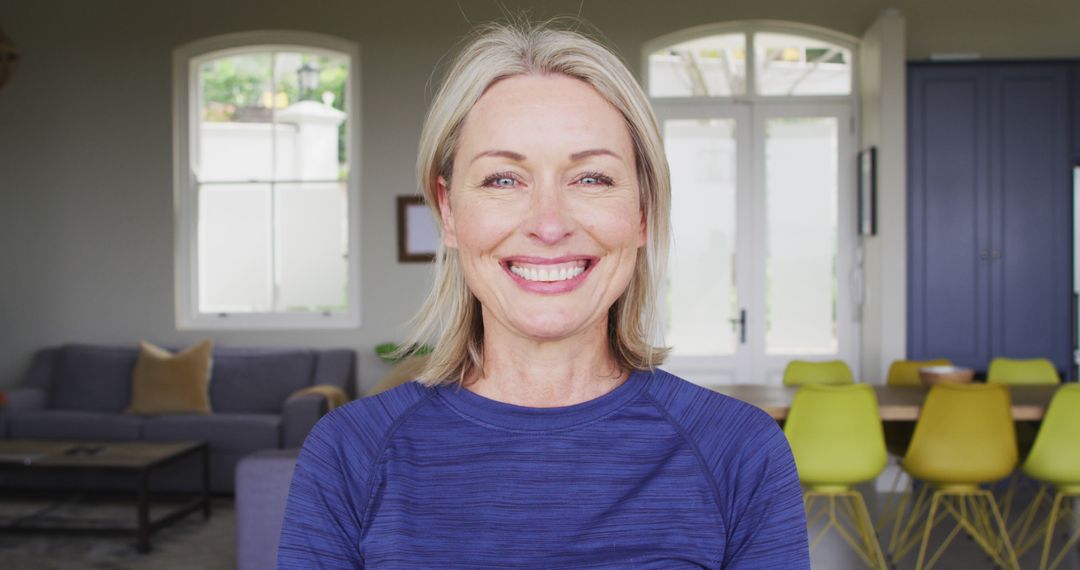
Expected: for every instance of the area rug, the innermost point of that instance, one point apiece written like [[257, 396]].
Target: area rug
[[186, 544]]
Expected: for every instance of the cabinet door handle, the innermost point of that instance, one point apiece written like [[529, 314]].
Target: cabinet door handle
[[984, 254], [995, 254]]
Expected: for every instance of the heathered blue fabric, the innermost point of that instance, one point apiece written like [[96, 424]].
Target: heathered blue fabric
[[658, 473]]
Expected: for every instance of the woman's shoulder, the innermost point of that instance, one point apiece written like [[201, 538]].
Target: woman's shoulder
[[694, 404], [719, 425], [360, 427]]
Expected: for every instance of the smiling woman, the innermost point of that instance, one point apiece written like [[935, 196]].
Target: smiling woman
[[546, 227], [541, 434]]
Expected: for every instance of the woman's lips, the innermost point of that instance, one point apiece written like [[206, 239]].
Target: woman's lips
[[548, 275]]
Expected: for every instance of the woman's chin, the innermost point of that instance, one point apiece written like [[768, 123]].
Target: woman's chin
[[549, 329]]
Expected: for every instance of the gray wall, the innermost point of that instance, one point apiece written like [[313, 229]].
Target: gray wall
[[86, 226]]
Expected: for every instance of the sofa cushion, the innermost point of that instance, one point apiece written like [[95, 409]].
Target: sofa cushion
[[257, 382], [92, 379], [167, 383], [336, 367], [238, 432], [69, 424]]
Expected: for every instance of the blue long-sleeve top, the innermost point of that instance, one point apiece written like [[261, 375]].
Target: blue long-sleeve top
[[657, 473]]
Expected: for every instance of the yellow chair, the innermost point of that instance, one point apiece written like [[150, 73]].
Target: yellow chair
[[906, 372], [1054, 460], [964, 438], [902, 373], [835, 435], [1022, 371], [803, 372]]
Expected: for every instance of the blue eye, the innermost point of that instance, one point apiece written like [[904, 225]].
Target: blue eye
[[596, 179], [500, 180]]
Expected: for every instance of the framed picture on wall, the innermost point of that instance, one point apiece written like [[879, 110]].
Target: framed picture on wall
[[868, 192], [418, 238]]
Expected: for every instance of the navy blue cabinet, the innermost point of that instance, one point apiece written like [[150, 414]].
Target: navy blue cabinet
[[1074, 99], [989, 212]]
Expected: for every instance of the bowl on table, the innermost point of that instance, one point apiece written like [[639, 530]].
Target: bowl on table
[[933, 375]]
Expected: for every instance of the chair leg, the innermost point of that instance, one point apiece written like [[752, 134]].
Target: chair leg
[[1051, 524], [899, 524], [895, 501], [926, 532], [905, 538], [1004, 531], [949, 510], [1022, 534], [976, 513], [900, 509], [870, 539], [1010, 494], [851, 521], [1059, 508], [986, 527], [827, 511]]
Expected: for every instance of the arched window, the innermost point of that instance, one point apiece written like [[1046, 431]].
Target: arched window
[[755, 60], [266, 184]]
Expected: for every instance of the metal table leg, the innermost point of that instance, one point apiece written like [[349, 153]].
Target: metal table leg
[[206, 481], [142, 497]]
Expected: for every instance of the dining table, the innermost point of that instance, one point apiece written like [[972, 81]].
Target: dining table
[[895, 403]]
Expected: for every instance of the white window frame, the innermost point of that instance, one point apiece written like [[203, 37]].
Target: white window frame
[[750, 363], [186, 61], [750, 28]]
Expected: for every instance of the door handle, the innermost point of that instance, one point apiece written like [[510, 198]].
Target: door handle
[[740, 324]]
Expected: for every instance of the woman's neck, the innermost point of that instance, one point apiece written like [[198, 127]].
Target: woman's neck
[[546, 374]]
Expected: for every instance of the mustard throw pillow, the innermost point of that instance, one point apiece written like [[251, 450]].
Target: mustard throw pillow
[[166, 383]]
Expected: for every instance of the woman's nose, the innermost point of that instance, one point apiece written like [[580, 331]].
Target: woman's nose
[[549, 219]]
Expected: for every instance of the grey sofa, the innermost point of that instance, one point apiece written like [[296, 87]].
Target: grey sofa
[[79, 392]]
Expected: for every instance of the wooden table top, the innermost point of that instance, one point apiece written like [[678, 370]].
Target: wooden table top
[[91, 454], [895, 403]]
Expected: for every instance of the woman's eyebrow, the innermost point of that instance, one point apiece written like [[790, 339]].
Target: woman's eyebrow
[[516, 156], [591, 152], [503, 153]]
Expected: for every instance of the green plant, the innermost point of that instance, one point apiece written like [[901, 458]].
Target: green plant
[[387, 351]]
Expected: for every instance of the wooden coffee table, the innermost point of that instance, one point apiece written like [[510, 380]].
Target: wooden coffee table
[[138, 458]]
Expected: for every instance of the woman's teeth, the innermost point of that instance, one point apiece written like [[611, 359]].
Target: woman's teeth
[[550, 275]]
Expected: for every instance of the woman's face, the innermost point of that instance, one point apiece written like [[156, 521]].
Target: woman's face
[[543, 206]]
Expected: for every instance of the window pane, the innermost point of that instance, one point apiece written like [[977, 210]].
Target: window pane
[[801, 222], [701, 296], [310, 138], [272, 225], [312, 246], [235, 132], [235, 265], [796, 65], [714, 66]]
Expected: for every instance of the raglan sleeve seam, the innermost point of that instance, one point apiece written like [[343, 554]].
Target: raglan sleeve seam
[[778, 478], [322, 474], [377, 457], [703, 464]]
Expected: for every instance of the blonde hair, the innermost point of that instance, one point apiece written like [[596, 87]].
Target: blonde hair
[[497, 51]]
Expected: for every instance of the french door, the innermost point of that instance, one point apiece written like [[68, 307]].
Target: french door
[[764, 240]]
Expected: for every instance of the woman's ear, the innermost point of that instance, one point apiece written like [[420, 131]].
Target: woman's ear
[[449, 237]]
